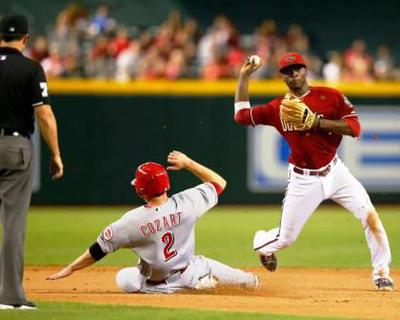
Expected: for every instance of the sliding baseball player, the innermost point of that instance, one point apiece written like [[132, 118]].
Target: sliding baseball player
[[161, 233]]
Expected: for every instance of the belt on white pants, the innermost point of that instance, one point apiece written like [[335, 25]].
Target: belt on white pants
[[322, 172]]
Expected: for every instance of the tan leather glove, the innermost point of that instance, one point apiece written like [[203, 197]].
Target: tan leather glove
[[297, 113]]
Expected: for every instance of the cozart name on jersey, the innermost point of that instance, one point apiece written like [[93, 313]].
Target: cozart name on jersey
[[153, 227], [162, 224]]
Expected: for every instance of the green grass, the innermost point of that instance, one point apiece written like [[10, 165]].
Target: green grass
[[80, 311], [331, 238]]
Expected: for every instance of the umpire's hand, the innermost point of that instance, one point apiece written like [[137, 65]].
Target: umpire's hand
[[56, 167]]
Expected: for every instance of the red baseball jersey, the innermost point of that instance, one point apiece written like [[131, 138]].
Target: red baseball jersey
[[309, 149]]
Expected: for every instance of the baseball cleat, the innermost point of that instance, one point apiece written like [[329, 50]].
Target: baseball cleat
[[269, 262], [384, 284], [28, 305]]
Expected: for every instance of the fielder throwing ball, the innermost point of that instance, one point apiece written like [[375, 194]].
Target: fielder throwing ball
[[161, 233], [313, 121]]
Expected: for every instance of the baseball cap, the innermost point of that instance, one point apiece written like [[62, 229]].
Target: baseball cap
[[290, 59], [13, 24]]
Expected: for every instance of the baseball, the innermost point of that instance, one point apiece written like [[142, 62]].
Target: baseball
[[255, 60]]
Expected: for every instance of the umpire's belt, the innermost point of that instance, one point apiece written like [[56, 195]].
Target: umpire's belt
[[14, 132], [321, 172], [164, 281]]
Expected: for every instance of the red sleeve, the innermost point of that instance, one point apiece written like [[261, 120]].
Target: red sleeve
[[243, 117], [347, 112], [354, 125], [263, 114], [345, 108], [217, 187]]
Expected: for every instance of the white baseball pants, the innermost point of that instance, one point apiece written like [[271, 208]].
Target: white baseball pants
[[130, 279], [305, 193]]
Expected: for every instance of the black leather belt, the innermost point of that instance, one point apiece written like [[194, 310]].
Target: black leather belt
[[13, 132], [321, 173], [164, 281]]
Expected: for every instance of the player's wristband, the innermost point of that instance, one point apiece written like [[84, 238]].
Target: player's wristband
[[242, 105], [96, 252]]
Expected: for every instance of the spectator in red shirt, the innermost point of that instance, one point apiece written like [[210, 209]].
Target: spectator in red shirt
[[119, 43], [357, 62]]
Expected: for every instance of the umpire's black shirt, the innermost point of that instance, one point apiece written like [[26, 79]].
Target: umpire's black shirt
[[23, 86]]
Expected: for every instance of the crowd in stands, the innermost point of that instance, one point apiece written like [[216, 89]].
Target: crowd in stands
[[96, 46]]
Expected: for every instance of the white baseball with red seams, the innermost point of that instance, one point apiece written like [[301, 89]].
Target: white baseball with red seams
[[255, 60], [163, 238]]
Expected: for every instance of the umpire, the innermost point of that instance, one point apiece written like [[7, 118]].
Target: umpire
[[23, 95]]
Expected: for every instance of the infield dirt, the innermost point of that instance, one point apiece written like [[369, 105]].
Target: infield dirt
[[295, 291]]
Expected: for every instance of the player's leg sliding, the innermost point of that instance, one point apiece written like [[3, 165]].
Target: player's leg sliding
[[129, 280], [227, 275], [201, 274]]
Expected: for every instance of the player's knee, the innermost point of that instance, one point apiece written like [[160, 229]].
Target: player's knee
[[128, 280]]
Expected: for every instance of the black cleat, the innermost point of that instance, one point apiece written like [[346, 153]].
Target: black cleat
[[384, 284], [269, 262]]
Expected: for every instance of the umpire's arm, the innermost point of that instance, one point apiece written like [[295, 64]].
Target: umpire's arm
[[48, 128]]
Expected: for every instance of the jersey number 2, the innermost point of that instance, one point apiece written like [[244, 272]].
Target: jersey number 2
[[169, 239]]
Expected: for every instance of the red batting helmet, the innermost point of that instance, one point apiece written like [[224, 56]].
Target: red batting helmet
[[151, 180], [290, 59]]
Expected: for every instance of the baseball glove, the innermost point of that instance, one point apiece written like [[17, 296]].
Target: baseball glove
[[297, 113]]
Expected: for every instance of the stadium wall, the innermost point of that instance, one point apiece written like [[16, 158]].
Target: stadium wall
[[107, 129]]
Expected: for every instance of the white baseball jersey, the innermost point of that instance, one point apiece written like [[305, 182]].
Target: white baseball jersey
[[163, 236]]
